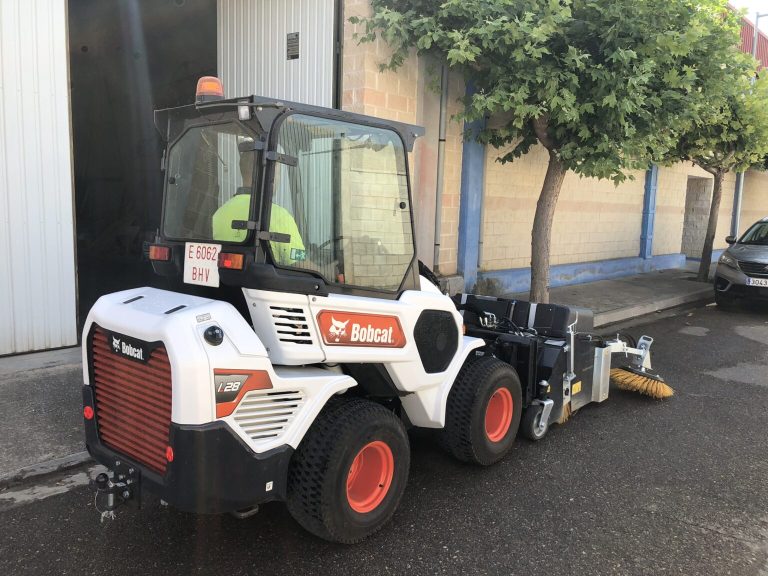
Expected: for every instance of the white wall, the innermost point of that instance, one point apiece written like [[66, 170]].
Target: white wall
[[37, 255], [252, 37]]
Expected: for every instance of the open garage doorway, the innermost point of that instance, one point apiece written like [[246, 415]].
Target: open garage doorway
[[698, 198], [127, 58]]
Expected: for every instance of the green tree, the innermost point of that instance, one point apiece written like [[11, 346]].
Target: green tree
[[730, 134], [603, 85]]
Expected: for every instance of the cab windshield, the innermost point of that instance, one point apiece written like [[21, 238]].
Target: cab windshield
[[757, 235], [208, 167]]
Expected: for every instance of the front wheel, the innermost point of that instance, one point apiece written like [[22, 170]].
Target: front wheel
[[723, 300], [348, 475], [483, 411]]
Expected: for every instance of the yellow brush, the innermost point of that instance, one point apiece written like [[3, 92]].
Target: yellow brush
[[642, 381], [566, 414]]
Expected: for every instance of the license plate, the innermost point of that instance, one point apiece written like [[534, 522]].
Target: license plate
[[757, 282], [201, 264]]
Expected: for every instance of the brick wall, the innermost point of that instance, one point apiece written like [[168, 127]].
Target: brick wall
[[405, 95], [754, 204], [726, 212], [670, 207], [698, 198], [367, 90], [595, 220], [454, 143]]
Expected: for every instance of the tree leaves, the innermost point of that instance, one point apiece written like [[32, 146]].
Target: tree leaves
[[620, 81]]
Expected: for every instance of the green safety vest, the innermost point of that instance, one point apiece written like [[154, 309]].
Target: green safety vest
[[281, 221]]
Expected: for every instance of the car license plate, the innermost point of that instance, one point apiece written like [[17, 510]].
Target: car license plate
[[757, 282], [201, 264]]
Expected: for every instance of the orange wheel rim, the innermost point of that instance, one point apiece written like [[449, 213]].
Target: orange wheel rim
[[498, 415], [370, 476]]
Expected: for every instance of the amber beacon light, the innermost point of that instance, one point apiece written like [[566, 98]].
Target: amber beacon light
[[209, 89]]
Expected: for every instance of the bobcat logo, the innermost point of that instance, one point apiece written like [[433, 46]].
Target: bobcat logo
[[337, 329], [360, 329], [115, 344]]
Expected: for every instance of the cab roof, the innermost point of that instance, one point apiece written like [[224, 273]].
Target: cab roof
[[408, 132]]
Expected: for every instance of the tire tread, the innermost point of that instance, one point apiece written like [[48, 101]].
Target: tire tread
[[456, 436], [336, 425]]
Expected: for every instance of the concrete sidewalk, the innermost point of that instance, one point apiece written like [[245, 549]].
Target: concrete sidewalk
[[41, 422], [41, 418], [632, 296]]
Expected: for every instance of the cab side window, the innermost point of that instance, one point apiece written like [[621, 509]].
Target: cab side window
[[348, 195]]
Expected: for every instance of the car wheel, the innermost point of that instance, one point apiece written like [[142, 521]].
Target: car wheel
[[723, 300]]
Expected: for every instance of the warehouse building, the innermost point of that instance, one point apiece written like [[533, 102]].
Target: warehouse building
[[80, 185]]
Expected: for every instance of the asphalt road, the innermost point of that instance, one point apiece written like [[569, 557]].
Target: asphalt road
[[631, 486]]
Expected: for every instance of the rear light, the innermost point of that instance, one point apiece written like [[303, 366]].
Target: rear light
[[162, 253], [230, 260], [88, 413], [169, 454]]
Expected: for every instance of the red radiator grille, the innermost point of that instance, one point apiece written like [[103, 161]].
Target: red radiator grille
[[133, 402]]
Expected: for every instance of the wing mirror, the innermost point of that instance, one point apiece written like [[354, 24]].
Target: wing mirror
[[730, 239]]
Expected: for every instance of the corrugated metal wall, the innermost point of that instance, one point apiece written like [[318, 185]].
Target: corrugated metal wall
[[37, 260], [252, 51]]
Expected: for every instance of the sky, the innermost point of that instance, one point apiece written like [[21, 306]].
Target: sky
[[753, 6]]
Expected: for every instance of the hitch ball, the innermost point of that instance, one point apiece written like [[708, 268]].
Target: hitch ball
[[101, 482]]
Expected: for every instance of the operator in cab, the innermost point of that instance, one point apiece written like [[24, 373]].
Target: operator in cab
[[280, 221]]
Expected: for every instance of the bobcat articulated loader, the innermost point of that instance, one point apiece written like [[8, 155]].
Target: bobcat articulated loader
[[307, 339]]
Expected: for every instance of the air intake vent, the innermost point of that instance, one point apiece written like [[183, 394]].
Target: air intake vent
[[291, 325], [756, 269], [262, 414], [133, 402]]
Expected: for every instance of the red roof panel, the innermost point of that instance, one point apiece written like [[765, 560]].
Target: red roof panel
[[747, 38]]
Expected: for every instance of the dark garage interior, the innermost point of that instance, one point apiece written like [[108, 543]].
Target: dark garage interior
[[127, 59]]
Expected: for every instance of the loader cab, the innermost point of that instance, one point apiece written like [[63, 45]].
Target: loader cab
[[272, 195]]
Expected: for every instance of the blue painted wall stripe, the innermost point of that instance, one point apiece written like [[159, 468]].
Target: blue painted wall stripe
[[471, 203], [649, 212], [519, 279], [715, 256]]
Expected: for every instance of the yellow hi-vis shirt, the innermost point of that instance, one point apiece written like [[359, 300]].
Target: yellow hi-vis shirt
[[281, 221]]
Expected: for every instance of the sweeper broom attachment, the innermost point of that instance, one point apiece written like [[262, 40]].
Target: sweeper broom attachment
[[637, 376], [641, 380]]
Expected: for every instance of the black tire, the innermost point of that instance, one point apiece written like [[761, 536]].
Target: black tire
[[529, 426], [317, 477], [724, 301], [464, 435]]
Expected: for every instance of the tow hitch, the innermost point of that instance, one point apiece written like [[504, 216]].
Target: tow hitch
[[111, 492]]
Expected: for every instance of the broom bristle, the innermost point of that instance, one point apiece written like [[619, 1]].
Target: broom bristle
[[626, 380], [566, 414]]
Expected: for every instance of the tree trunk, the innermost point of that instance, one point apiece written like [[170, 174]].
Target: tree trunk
[[709, 239], [542, 228]]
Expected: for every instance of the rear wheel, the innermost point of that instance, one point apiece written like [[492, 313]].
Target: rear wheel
[[349, 473], [483, 411]]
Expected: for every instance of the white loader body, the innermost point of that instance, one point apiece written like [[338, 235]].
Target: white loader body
[[303, 376]]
